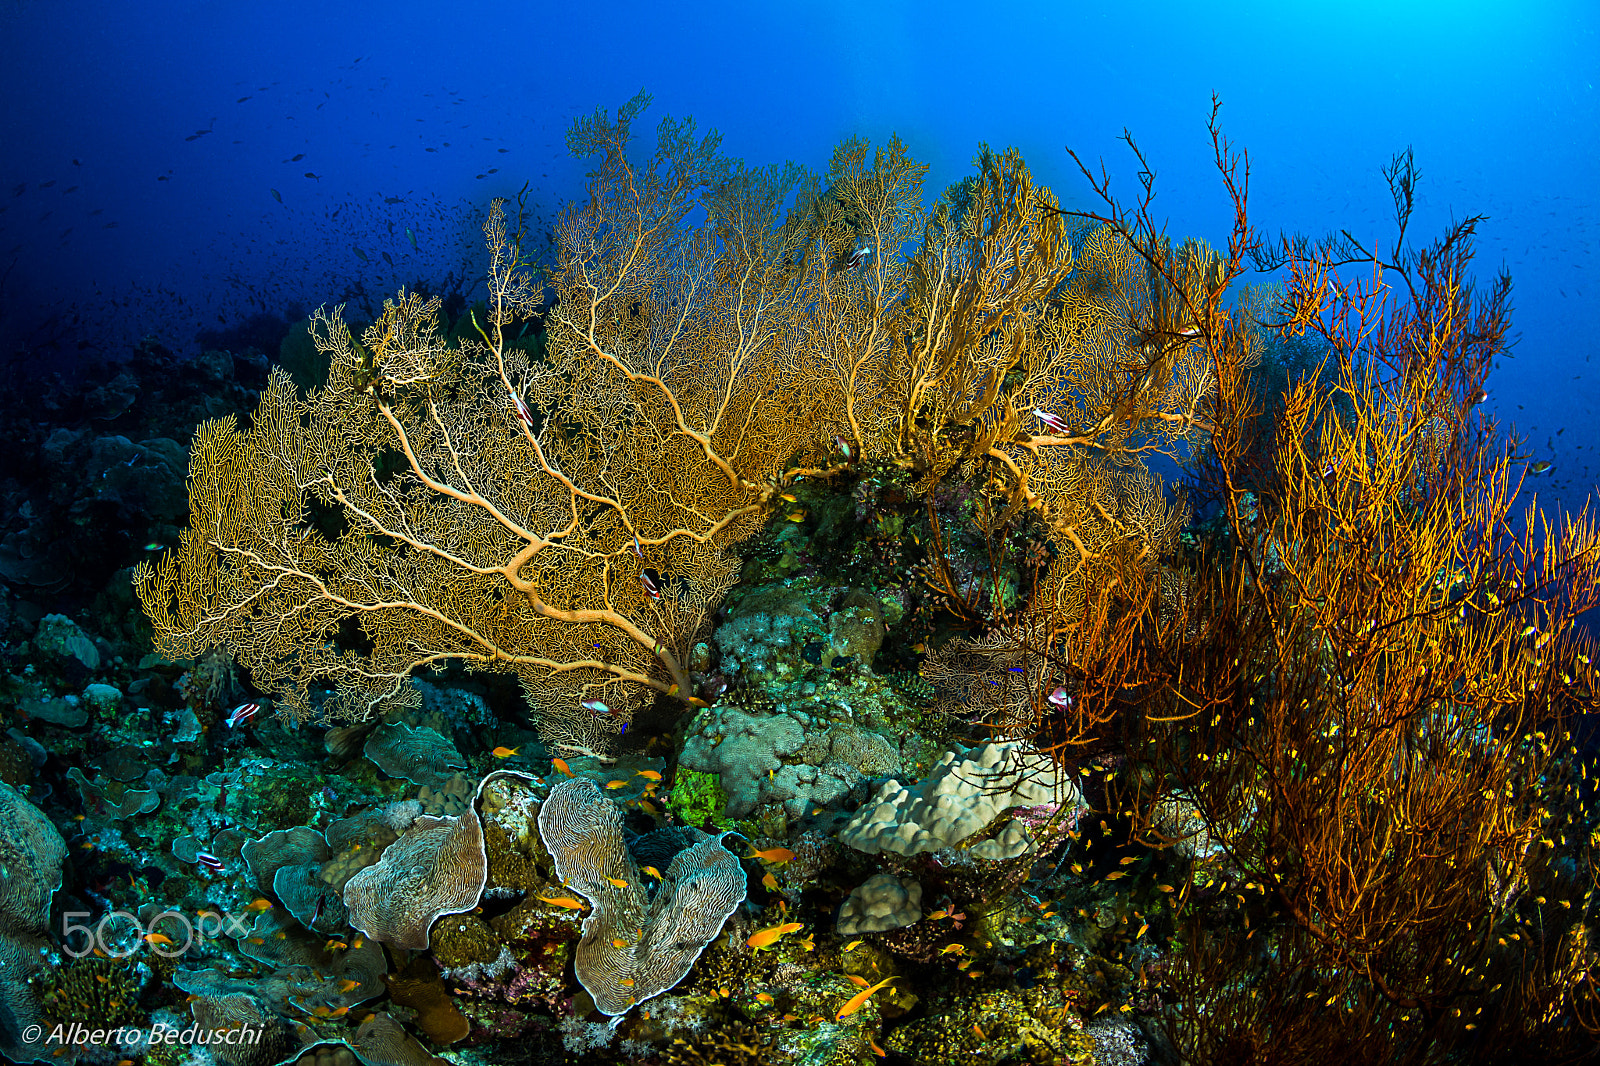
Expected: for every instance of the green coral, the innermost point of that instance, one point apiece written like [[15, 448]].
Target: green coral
[[697, 798], [464, 939], [105, 990]]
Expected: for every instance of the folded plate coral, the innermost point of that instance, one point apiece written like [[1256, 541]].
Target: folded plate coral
[[636, 944]]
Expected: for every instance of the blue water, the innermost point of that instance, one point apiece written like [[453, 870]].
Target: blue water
[[174, 168]]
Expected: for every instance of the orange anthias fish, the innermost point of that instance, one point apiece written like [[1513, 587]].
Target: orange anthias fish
[[765, 938], [503, 752], [857, 1001], [653, 775], [561, 765], [616, 784], [562, 901], [776, 856]]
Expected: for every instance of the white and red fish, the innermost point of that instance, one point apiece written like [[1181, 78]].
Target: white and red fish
[[522, 409], [209, 861], [651, 580], [1054, 423], [859, 257], [595, 707], [242, 714], [1060, 698]]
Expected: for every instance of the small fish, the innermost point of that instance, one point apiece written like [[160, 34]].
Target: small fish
[[649, 775], [953, 949], [154, 546], [653, 872], [651, 581], [394, 199], [857, 1001], [856, 979], [561, 766], [259, 905], [412, 237], [627, 982], [1543, 466], [242, 714], [386, 258], [769, 883], [297, 157], [776, 856], [521, 407], [335, 945], [157, 938], [1479, 395], [1127, 859], [936, 915], [503, 752], [208, 860], [1059, 698], [618, 882], [1054, 423], [595, 707], [348, 985], [276, 195], [638, 549], [876, 1050], [843, 446], [562, 901], [1114, 874], [859, 257], [1143, 929], [852, 946], [765, 938], [763, 997], [619, 943], [1329, 468], [789, 497], [613, 785], [359, 253], [313, 177], [797, 515]]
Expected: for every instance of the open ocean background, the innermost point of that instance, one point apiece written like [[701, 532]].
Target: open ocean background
[[208, 172]]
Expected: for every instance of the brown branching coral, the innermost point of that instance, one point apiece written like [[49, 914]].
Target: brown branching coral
[[566, 519], [1365, 684]]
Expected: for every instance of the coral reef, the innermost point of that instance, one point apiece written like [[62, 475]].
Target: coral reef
[[759, 635]]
